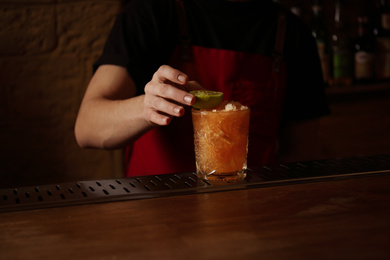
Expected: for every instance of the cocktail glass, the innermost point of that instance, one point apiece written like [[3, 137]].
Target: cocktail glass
[[221, 141]]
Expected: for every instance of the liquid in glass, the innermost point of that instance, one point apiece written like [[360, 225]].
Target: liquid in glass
[[221, 141]]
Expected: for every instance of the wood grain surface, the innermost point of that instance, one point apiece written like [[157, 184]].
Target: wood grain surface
[[343, 219]]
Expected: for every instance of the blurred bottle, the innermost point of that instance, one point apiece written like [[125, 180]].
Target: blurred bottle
[[342, 56], [364, 52], [382, 45], [296, 10], [320, 33]]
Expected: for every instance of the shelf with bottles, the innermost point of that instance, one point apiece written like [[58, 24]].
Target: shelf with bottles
[[353, 38], [371, 51], [379, 89]]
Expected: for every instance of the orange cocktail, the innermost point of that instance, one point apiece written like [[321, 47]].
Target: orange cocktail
[[221, 141]]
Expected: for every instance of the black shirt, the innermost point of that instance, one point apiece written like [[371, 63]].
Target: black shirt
[[146, 33]]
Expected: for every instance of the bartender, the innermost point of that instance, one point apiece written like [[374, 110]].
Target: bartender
[[255, 52]]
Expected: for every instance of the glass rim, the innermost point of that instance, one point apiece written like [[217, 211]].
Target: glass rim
[[198, 110]]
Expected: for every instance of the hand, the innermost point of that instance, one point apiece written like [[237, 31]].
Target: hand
[[167, 94]]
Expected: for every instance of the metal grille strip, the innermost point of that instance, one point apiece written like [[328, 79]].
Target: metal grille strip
[[83, 192]]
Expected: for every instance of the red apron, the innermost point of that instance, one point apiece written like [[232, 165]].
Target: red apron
[[254, 80]]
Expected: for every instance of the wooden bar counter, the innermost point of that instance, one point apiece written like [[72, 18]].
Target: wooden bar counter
[[345, 218]]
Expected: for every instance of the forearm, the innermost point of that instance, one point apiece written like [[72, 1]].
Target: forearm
[[110, 124], [112, 116]]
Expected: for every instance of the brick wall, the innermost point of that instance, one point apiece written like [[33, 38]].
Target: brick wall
[[47, 48]]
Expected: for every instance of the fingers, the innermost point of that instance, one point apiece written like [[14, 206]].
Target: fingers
[[165, 96], [169, 93], [168, 74]]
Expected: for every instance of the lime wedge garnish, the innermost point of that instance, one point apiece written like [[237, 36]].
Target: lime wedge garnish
[[207, 99]]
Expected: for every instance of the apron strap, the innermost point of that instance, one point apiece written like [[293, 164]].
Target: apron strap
[[277, 54], [184, 35]]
